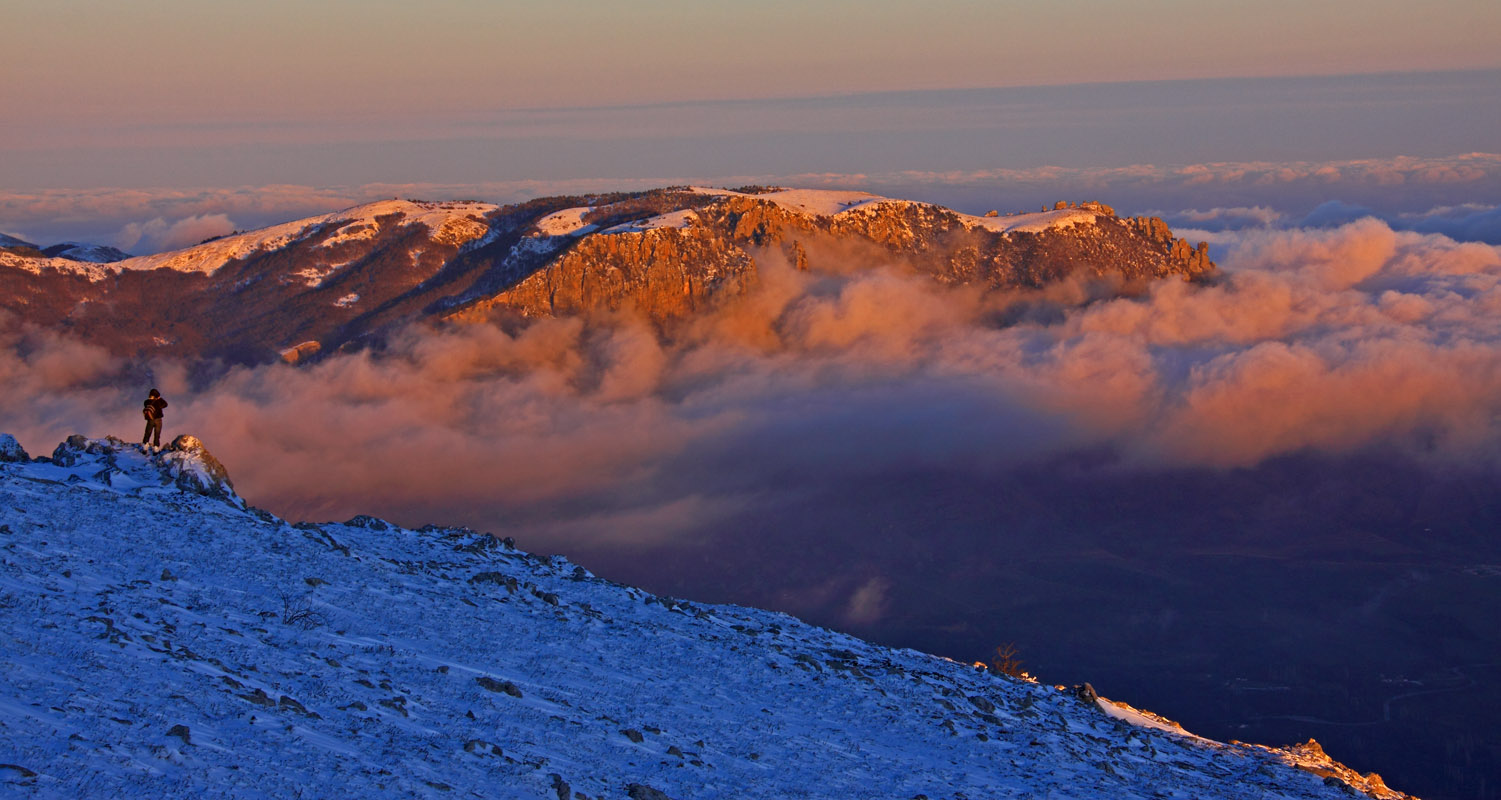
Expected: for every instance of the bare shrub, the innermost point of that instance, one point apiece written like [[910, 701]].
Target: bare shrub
[[298, 610]]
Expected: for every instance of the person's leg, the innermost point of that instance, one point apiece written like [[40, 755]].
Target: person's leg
[[156, 433], [146, 439]]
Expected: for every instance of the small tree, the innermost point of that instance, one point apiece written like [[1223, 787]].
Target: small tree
[[1006, 662]]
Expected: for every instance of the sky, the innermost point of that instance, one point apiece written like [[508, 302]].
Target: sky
[[346, 96]]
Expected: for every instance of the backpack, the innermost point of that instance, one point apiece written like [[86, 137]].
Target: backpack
[[146, 411]]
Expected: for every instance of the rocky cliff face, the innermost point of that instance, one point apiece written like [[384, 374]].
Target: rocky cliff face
[[707, 252], [339, 281]]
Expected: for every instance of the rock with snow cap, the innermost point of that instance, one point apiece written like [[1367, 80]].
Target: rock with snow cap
[[11, 450], [193, 468]]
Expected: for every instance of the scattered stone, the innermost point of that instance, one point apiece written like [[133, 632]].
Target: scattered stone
[[561, 787], [1085, 693], [259, 697], [288, 704], [633, 734], [315, 582], [490, 684], [498, 579], [181, 732], [167, 575], [639, 791], [24, 772]]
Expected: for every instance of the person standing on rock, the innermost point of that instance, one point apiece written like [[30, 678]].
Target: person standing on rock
[[152, 410]]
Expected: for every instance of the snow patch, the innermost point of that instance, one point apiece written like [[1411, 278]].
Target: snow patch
[[1142, 719], [347, 300], [1035, 222], [675, 220], [569, 221], [814, 202]]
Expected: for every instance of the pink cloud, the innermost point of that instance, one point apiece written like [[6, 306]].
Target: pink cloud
[[1331, 340]]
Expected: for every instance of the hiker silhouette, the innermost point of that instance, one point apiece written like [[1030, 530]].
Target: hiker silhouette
[[152, 410]]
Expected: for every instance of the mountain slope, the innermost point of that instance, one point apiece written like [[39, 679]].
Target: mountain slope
[[344, 279], [162, 639]]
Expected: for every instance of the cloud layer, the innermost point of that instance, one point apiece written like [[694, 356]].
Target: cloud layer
[[1451, 195], [1332, 340]]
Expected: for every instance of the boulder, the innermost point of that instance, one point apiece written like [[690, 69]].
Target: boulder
[[11, 450], [194, 469]]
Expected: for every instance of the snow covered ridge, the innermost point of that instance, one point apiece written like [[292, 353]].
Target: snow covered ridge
[[111, 464], [167, 641], [448, 223], [832, 202]]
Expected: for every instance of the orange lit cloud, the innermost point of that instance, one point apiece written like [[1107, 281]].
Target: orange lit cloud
[[1330, 340]]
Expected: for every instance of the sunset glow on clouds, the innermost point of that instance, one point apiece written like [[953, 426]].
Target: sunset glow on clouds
[[1331, 340]]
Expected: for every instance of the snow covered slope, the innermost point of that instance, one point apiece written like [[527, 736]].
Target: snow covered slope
[[92, 253], [450, 223], [162, 639]]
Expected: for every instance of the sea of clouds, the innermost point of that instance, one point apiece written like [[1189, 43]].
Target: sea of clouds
[[1331, 340]]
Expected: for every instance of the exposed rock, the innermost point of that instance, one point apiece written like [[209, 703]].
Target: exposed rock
[[259, 697], [666, 274], [193, 468], [11, 450], [181, 732], [633, 734], [639, 791], [300, 353], [561, 787], [500, 687], [71, 450], [981, 703]]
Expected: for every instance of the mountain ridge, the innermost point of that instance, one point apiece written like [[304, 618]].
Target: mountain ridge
[[170, 639], [345, 279]]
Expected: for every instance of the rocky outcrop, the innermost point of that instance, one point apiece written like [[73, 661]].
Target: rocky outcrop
[[665, 273], [194, 469], [11, 450], [186, 464]]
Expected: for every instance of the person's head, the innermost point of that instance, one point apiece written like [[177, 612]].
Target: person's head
[[154, 393]]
